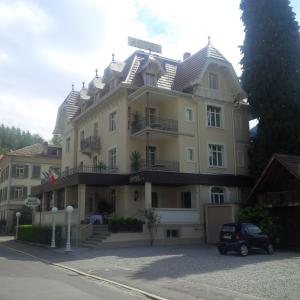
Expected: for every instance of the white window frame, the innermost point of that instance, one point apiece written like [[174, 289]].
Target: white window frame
[[221, 116], [213, 81], [188, 149], [223, 147], [18, 192], [147, 76], [189, 112], [20, 171], [112, 121], [218, 195], [115, 160]]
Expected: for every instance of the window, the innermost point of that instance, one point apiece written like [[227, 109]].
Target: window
[[213, 116], [112, 121], [151, 155], [216, 155], [190, 154], [36, 172], [253, 229], [81, 135], [172, 233], [95, 131], [68, 144], [151, 115], [18, 192], [154, 199], [217, 195], [112, 158], [149, 79], [213, 81], [186, 199], [189, 114], [20, 171]]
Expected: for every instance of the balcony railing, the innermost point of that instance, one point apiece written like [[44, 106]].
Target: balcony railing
[[89, 169], [90, 144], [158, 165], [157, 123]]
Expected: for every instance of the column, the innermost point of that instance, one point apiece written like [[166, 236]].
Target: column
[[148, 195], [81, 201]]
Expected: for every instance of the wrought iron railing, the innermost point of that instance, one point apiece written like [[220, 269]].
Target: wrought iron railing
[[153, 122], [89, 144], [89, 169], [157, 165]]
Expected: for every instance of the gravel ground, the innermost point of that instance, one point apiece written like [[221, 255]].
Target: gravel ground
[[269, 276]]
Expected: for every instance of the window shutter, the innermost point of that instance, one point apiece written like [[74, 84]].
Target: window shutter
[[12, 192], [24, 192], [13, 171], [25, 171]]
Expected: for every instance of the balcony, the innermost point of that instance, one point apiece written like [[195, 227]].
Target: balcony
[[154, 123], [158, 165], [89, 169], [90, 144]]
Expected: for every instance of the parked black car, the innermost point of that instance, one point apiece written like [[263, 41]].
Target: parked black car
[[242, 238]]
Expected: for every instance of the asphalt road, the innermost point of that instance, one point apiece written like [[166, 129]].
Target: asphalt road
[[22, 277]]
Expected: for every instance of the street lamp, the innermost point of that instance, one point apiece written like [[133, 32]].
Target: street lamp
[[18, 214], [69, 211], [54, 211]]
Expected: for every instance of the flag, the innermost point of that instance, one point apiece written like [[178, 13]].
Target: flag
[[52, 175], [45, 175]]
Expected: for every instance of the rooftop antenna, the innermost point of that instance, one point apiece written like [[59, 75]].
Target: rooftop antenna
[[83, 84], [96, 73], [137, 43]]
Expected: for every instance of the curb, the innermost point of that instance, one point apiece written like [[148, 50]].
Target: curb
[[127, 287]]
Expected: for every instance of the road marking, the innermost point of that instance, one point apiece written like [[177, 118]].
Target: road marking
[[130, 288]]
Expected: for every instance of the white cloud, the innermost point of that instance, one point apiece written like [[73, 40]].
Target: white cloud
[[36, 115], [23, 13]]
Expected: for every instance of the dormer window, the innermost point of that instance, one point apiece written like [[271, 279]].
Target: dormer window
[[149, 79], [213, 81], [113, 83]]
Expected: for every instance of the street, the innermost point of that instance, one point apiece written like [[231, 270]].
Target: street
[[22, 277]]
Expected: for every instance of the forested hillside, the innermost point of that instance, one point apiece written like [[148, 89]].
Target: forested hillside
[[12, 138]]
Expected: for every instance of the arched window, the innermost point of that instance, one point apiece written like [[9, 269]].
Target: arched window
[[217, 195]]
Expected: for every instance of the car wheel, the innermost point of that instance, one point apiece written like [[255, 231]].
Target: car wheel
[[244, 250], [270, 249], [222, 251]]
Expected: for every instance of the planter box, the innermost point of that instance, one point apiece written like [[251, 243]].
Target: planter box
[[118, 227]]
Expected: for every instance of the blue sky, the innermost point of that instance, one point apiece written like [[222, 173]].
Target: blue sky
[[45, 46]]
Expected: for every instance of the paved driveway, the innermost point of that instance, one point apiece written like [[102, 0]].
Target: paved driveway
[[188, 272]]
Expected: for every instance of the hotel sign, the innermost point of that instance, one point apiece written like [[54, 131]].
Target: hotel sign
[[137, 43], [135, 179], [32, 202]]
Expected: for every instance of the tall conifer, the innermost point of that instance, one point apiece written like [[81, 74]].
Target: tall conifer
[[271, 77]]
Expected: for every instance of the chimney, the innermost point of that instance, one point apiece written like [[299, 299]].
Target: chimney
[[186, 55], [45, 148]]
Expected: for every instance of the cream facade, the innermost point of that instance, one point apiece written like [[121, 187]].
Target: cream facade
[[154, 133], [20, 171]]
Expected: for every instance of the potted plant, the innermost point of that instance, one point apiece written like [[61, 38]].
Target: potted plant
[[101, 166], [135, 158]]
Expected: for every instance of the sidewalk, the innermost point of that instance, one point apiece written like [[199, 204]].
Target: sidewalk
[[189, 272]]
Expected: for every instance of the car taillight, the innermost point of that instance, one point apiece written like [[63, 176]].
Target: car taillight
[[237, 236]]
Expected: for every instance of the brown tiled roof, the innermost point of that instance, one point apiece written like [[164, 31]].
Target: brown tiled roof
[[32, 150], [190, 69]]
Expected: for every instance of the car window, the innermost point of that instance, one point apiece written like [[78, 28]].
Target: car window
[[251, 228], [228, 228]]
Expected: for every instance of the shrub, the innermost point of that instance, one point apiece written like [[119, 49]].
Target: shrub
[[39, 234], [261, 217], [123, 220]]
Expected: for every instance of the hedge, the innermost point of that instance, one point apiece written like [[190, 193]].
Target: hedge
[[40, 234]]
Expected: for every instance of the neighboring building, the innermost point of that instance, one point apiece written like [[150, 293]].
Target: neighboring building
[[278, 189], [154, 132], [20, 170]]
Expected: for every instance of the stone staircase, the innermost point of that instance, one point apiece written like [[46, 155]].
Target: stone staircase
[[100, 233]]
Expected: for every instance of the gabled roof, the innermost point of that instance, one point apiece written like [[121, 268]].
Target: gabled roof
[[191, 68], [33, 151], [290, 163]]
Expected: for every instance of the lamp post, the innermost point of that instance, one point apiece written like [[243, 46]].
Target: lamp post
[[54, 211], [69, 211], [18, 214]]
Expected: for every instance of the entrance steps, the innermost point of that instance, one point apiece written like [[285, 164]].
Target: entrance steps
[[100, 233]]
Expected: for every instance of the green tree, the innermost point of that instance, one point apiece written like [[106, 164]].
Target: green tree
[[271, 77], [56, 140]]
